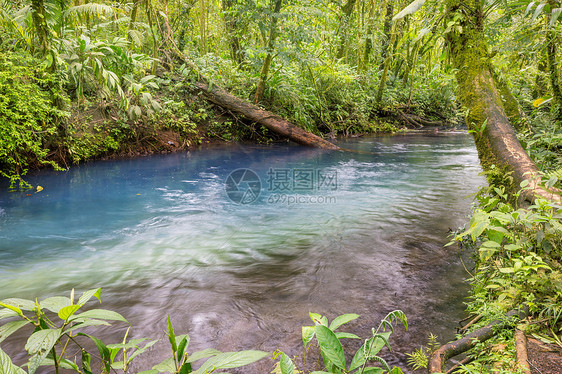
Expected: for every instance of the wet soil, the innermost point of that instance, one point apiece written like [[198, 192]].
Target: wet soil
[[544, 358]]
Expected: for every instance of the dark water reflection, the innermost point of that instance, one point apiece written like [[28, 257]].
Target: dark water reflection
[[160, 236]]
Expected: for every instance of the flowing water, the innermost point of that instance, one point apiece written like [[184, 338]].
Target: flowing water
[[331, 232]]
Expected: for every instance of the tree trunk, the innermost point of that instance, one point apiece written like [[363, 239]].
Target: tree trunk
[[551, 51], [203, 12], [386, 32], [154, 38], [347, 10], [134, 13], [263, 117], [541, 83], [494, 136], [368, 37], [231, 25], [386, 64], [40, 25], [270, 49]]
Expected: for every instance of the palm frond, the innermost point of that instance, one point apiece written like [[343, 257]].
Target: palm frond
[[136, 37], [91, 9]]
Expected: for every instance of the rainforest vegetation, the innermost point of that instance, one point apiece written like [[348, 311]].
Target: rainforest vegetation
[[88, 79]]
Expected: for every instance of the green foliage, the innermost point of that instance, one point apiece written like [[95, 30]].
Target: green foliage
[[543, 142], [30, 117], [331, 349], [518, 260], [58, 325], [419, 359]]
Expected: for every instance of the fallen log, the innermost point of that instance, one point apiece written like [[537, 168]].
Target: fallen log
[[270, 120], [521, 349], [495, 138], [440, 356]]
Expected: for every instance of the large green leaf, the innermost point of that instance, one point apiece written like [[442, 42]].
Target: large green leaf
[[42, 341], [172, 336], [11, 327], [286, 364], [138, 351], [342, 320], [166, 366], [86, 323], [307, 334], [12, 308], [412, 8], [229, 360], [54, 304], [318, 319], [86, 296], [202, 354], [181, 347], [346, 335], [359, 358], [7, 366], [330, 346], [100, 314], [19, 303], [67, 312], [7, 313], [39, 344]]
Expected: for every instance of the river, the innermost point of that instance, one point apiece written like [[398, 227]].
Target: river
[[309, 231]]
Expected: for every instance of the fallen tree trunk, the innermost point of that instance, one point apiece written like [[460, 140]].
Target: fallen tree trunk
[[521, 349], [270, 120], [499, 149], [440, 356], [263, 117]]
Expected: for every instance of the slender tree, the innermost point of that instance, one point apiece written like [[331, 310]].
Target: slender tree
[[346, 11], [552, 42], [270, 50], [389, 39], [231, 26], [40, 25]]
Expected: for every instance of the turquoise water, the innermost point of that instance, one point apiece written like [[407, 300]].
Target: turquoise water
[[330, 232]]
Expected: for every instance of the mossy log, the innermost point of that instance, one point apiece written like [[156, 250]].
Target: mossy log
[[270, 120], [442, 354], [495, 138]]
